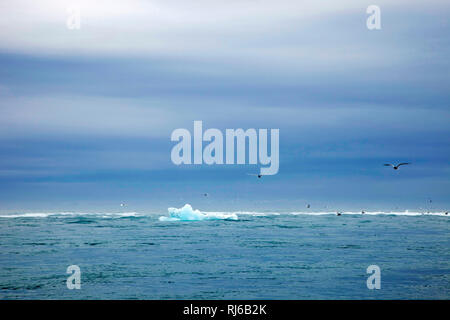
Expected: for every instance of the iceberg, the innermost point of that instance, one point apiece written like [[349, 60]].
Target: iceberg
[[186, 213]]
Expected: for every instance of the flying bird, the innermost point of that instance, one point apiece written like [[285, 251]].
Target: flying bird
[[396, 167], [254, 174]]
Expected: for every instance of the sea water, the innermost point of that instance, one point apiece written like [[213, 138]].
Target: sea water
[[189, 254]]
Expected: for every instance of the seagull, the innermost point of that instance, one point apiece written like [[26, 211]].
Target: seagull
[[396, 167], [254, 174], [123, 204]]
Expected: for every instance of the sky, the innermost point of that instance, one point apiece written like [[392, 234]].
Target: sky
[[86, 114]]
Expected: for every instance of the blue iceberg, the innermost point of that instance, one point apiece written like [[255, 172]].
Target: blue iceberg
[[186, 213]]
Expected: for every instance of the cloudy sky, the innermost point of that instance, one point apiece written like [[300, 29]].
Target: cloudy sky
[[86, 114]]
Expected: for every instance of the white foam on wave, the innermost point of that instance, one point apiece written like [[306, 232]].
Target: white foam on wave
[[323, 213], [393, 213], [257, 214], [186, 213], [66, 214]]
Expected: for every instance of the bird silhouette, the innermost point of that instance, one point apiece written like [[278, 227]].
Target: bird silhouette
[[254, 174], [396, 167]]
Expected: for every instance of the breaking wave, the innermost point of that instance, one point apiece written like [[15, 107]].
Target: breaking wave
[[373, 213], [187, 213], [71, 214]]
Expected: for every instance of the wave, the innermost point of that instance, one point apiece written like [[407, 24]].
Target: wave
[[322, 213], [71, 214], [374, 213], [187, 213]]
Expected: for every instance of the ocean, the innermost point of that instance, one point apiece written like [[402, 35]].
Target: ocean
[[188, 254]]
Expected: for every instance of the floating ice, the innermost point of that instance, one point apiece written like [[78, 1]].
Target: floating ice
[[188, 214]]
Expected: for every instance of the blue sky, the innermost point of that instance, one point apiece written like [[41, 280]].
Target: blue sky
[[86, 115]]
